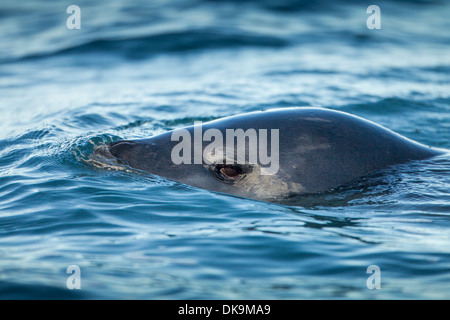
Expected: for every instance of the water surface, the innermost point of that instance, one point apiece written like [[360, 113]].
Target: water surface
[[136, 69]]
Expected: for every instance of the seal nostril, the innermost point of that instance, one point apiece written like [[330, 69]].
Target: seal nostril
[[121, 142]]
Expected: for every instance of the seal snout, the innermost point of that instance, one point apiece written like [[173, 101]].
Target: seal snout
[[121, 149]]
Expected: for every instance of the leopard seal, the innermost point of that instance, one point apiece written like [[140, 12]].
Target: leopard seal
[[318, 149]]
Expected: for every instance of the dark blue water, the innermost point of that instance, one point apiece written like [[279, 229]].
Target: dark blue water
[[136, 69]]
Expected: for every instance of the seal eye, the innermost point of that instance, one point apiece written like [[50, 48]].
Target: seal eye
[[228, 172]]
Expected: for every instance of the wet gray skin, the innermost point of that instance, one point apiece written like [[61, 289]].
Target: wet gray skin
[[319, 149]]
